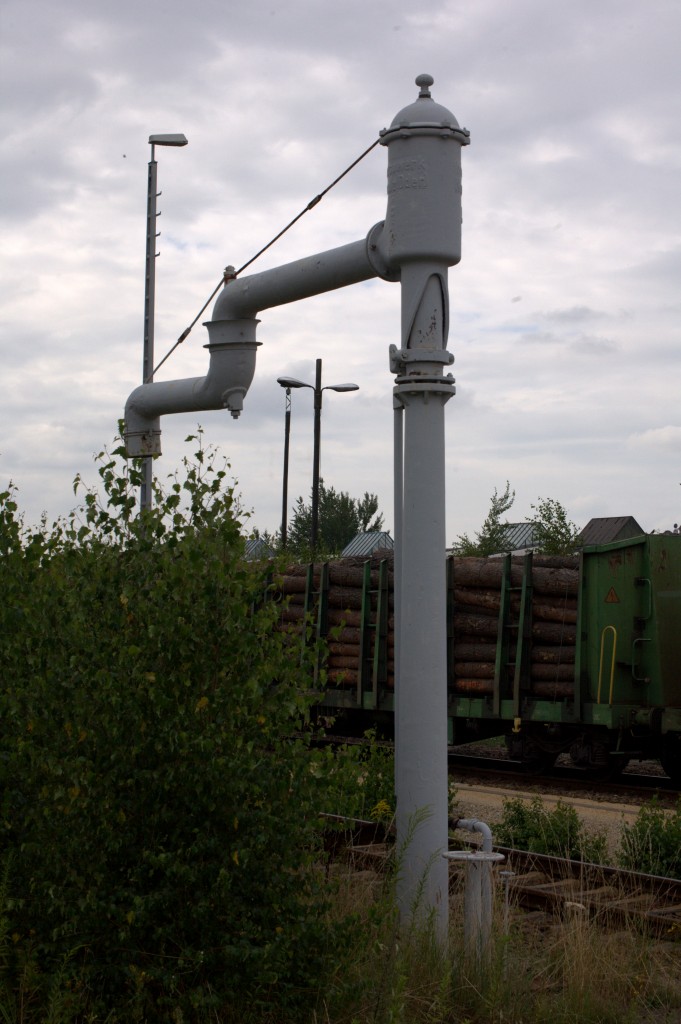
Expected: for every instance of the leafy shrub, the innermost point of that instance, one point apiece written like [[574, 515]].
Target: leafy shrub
[[361, 779], [158, 813], [560, 832], [653, 843]]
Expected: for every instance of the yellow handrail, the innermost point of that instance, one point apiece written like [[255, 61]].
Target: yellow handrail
[[612, 664]]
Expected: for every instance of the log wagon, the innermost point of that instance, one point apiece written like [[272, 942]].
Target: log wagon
[[579, 654]]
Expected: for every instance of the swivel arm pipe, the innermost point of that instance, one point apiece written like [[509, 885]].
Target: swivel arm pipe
[[415, 245], [232, 343], [313, 275]]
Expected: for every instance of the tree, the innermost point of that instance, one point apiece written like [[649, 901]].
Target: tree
[[158, 804], [491, 539], [341, 518], [554, 533]]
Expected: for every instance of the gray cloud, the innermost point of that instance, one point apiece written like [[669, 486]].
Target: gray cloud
[[574, 315], [570, 204]]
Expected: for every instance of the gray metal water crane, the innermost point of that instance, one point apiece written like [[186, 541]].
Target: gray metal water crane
[[417, 242]]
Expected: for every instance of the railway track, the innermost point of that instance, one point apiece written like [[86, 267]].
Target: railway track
[[504, 771], [611, 897]]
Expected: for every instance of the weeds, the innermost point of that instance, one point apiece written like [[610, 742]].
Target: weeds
[[653, 843], [570, 971], [560, 832], [361, 778]]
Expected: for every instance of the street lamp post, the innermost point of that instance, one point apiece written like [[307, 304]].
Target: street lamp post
[[150, 289], [291, 382], [287, 438]]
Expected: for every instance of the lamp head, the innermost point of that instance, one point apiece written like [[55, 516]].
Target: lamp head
[[168, 140], [291, 382]]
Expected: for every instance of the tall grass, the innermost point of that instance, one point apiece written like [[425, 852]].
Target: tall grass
[[574, 969], [567, 971]]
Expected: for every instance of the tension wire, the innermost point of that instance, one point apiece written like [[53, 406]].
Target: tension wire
[[230, 274]]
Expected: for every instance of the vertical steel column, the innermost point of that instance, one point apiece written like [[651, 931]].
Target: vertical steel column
[[316, 454], [421, 684], [398, 498], [150, 292], [422, 236], [287, 442], [149, 304]]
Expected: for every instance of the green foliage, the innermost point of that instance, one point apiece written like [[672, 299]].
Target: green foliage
[[341, 518], [554, 533], [560, 832], [361, 779], [158, 810], [652, 844], [491, 539]]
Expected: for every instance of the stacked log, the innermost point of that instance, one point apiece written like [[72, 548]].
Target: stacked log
[[475, 600], [344, 618]]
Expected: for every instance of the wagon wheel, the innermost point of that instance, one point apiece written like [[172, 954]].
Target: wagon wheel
[[598, 759], [670, 757], [534, 758], [612, 770]]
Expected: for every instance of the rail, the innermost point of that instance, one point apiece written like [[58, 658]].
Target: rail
[[611, 897]]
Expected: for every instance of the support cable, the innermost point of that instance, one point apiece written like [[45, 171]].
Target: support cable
[[229, 273]]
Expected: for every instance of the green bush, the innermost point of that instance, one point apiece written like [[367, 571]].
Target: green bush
[[653, 843], [361, 779], [158, 810], [559, 833]]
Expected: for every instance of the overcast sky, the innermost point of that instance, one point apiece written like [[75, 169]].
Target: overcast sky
[[565, 308]]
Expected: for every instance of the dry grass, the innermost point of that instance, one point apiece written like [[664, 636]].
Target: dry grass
[[570, 971]]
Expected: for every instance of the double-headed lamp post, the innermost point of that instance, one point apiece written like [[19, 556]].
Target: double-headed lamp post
[[288, 383], [150, 289]]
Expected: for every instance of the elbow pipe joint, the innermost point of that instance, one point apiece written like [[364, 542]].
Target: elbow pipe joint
[[232, 348], [473, 825], [231, 332]]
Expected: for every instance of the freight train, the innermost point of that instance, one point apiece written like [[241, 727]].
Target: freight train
[[578, 655]]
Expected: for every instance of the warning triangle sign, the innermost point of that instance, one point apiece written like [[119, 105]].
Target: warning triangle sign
[[611, 597]]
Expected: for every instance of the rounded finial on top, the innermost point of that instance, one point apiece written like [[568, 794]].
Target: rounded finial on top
[[424, 82], [424, 116]]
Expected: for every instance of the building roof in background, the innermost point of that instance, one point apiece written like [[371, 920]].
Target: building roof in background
[[519, 536], [367, 543], [256, 547], [608, 529]]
